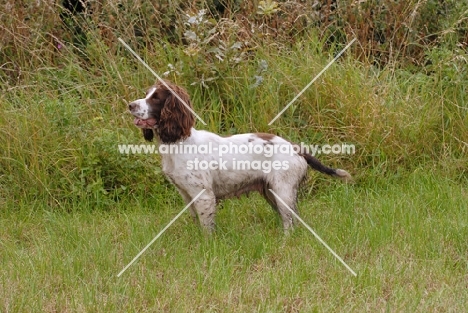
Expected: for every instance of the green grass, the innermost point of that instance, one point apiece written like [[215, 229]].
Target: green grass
[[74, 211], [405, 237]]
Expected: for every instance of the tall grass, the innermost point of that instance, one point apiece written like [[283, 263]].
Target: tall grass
[[66, 84]]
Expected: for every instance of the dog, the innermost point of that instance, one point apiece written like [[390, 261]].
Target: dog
[[166, 114]]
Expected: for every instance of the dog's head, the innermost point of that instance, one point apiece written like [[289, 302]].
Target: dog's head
[[164, 113]]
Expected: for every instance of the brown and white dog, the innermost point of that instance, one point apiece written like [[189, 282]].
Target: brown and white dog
[[237, 170]]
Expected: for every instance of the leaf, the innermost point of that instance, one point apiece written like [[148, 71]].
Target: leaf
[[267, 7], [237, 45], [190, 35]]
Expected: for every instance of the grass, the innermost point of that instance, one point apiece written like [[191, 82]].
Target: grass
[[74, 211], [405, 237]]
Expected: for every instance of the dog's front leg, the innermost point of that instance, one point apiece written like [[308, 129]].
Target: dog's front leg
[[187, 200], [206, 210]]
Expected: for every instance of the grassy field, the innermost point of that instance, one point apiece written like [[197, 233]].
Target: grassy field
[[74, 211], [405, 237]]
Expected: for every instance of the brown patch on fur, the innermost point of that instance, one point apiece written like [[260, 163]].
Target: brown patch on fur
[[259, 186], [256, 185], [265, 136]]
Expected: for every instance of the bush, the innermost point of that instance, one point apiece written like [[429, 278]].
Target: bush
[[398, 95]]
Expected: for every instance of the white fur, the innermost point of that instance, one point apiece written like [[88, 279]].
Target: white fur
[[222, 183], [141, 108]]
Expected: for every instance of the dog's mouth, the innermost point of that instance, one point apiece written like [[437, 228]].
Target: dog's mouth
[[150, 123]]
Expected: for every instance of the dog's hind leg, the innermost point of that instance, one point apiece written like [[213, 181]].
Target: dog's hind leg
[[285, 201]]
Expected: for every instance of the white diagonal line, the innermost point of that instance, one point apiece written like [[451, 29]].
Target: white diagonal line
[[160, 233], [161, 80], [313, 233], [313, 80]]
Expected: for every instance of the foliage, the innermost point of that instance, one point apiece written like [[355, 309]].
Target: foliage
[[399, 94]]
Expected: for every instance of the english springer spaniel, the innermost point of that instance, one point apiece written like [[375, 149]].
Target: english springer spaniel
[[226, 166]]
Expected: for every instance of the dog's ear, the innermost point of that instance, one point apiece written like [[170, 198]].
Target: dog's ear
[[176, 119], [148, 134]]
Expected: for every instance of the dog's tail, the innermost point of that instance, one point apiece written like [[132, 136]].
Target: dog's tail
[[317, 165]]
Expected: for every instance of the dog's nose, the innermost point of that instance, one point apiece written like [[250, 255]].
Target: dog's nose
[[131, 106]]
